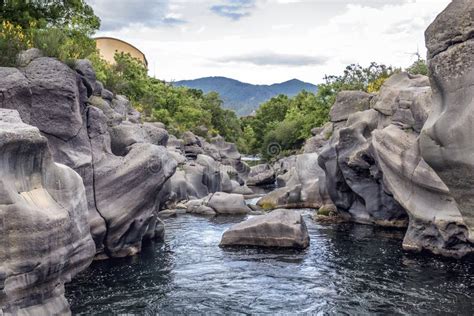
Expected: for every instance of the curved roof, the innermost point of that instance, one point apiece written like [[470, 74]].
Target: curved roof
[[119, 40]]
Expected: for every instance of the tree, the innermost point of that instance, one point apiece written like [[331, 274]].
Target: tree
[[419, 67], [71, 14]]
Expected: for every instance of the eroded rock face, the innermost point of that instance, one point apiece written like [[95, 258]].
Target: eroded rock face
[[354, 178], [304, 185], [435, 221], [219, 203], [261, 175], [446, 141], [280, 228], [121, 187], [44, 233]]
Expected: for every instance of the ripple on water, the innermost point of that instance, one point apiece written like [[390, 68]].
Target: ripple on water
[[348, 268]]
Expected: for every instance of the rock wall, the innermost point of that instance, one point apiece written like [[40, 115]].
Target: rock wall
[[44, 233], [411, 153], [128, 167], [84, 124]]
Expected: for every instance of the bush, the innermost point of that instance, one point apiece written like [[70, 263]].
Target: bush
[[13, 39]]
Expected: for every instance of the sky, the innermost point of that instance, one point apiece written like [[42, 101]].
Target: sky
[[268, 41]]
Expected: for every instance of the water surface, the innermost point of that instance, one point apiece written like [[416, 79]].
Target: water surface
[[348, 269]]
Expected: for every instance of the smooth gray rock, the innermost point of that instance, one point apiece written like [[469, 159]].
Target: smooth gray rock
[[280, 228], [125, 186], [27, 56], [304, 186], [435, 221], [228, 204], [44, 234], [446, 139], [347, 103], [15, 92], [121, 190], [262, 174], [354, 179]]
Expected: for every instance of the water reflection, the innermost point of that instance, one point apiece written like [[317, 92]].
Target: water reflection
[[352, 269]]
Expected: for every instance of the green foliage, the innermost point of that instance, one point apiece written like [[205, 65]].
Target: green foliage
[[60, 29], [70, 14], [287, 122], [181, 109], [12, 41], [419, 67]]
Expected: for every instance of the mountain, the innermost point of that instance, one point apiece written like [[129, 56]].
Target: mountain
[[243, 97]]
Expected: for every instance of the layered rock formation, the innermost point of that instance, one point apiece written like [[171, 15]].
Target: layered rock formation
[[44, 233], [303, 184], [121, 163], [354, 179]]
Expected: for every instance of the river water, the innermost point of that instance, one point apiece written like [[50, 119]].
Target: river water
[[348, 269]]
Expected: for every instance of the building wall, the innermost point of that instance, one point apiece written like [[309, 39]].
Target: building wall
[[109, 46]]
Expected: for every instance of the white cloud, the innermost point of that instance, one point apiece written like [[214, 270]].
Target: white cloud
[[345, 31]]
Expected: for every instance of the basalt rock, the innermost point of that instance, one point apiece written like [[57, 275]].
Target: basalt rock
[[261, 175], [446, 139], [354, 178], [44, 234], [121, 189], [305, 186], [280, 228]]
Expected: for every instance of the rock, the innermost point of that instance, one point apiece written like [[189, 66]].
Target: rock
[[15, 92], [157, 135], [27, 56], [435, 221], [354, 179], [124, 185], [228, 204], [347, 103], [56, 106], [44, 234], [167, 213], [320, 139], [446, 139], [280, 228], [85, 69], [304, 186], [113, 118], [261, 175], [121, 190], [107, 95], [391, 97]]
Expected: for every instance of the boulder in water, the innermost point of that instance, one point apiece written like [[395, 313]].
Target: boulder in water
[[280, 228]]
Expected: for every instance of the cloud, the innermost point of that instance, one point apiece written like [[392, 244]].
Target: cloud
[[234, 9], [273, 59], [118, 14]]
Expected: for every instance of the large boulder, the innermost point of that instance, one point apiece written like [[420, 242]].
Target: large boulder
[[304, 185], [347, 103], [228, 204], [262, 174], [44, 233], [446, 141], [280, 228]]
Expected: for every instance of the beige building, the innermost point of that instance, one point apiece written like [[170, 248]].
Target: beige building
[[108, 46]]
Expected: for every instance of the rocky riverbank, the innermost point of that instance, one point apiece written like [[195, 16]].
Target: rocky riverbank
[[83, 177]]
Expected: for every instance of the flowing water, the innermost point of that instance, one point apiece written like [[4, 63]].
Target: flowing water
[[348, 269]]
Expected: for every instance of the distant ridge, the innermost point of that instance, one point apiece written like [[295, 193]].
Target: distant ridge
[[243, 97]]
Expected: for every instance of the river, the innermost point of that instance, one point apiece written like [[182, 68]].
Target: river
[[348, 269]]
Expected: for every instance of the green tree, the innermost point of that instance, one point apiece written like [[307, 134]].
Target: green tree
[[419, 67], [72, 14]]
